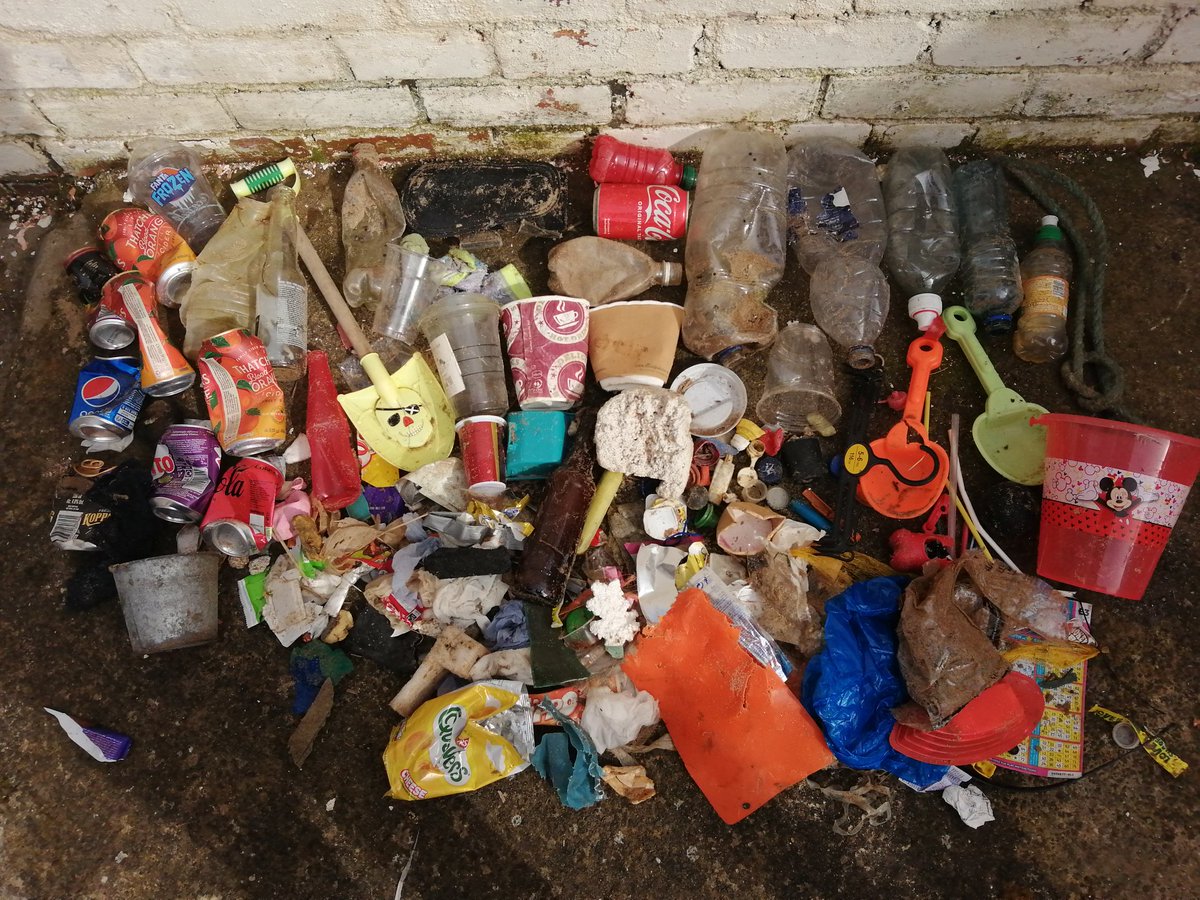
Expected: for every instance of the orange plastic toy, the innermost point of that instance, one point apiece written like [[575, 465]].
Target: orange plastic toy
[[742, 734]]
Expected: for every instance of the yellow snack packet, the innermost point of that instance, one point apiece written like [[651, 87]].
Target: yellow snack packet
[[461, 741]]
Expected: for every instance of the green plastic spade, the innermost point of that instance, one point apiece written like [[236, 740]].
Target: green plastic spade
[[1003, 433]]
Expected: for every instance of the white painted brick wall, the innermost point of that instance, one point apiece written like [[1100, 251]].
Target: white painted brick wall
[[79, 78], [755, 100], [277, 112], [260, 60], [1043, 40], [600, 51], [400, 55], [867, 41], [945, 96], [517, 104]]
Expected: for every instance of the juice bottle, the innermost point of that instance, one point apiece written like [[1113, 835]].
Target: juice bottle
[[1046, 280]]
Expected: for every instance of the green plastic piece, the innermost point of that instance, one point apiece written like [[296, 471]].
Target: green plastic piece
[[1003, 433]]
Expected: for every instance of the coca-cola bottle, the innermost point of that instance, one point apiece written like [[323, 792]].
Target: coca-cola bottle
[[549, 553], [615, 161]]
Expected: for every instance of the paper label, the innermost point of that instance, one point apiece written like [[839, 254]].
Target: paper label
[[1045, 295], [447, 365]]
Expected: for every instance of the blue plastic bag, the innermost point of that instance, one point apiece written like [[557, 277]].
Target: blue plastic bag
[[851, 686]]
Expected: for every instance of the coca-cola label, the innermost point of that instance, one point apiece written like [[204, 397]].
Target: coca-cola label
[[641, 212]]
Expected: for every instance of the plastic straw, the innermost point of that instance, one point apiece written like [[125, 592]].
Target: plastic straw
[[952, 487], [971, 527], [962, 489]]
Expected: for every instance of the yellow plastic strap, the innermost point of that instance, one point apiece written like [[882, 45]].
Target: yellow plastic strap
[[1155, 746]]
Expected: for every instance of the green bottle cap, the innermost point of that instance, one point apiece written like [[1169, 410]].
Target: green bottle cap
[[1049, 230], [688, 180]]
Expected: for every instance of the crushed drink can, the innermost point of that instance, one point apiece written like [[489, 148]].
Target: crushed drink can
[[640, 212], [110, 326], [136, 239], [164, 370], [187, 465], [244, 401], [90, 269], [107, 400], [238, 520]]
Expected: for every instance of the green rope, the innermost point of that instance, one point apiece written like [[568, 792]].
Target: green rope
[[1096, 379]]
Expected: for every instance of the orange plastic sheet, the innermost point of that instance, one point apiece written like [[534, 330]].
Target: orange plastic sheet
[[742, 734]]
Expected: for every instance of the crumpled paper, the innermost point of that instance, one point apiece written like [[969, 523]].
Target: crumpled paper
[[972, 806], [631, 782]]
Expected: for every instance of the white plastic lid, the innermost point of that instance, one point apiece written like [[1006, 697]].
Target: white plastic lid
[[923, 309], [1049, 220]]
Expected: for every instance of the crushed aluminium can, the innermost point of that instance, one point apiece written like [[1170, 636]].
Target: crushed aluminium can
[[107, 400], [136, 239], [238, 520], [90, 269], [244, 401], [187, 465], [110, 327], [164, 370]]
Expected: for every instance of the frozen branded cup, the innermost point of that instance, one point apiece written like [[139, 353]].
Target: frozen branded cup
[[483, 444], [631, 343], [547, 340]]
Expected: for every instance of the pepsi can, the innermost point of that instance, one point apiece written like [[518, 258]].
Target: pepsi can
[[107, 400]]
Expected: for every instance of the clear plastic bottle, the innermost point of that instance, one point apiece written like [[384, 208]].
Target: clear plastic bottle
[[371, 219], [165, 177], [736, 244], [1046, 280], [923, 246], [834, 203], [281, 309], [849, 298], [601, 271], [617, 161], [991, 276]]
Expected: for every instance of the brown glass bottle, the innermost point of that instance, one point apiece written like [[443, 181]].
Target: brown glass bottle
[[549, 553]]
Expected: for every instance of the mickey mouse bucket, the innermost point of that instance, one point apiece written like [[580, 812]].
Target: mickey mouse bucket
[[1111, 495]]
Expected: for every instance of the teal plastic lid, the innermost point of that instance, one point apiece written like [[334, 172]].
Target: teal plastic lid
[[687, 181]]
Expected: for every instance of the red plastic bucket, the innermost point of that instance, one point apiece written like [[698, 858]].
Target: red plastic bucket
[[1111, 495]]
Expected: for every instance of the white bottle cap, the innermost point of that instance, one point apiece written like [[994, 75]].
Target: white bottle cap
[[1049, 220], [923, 309], [672, 273]]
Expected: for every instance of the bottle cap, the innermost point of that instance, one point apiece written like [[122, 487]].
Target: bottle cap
[[672, 273], [687, 180], [923, 309], [1049, 230], [998, 323]]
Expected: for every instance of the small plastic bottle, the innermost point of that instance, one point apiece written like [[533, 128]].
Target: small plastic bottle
[[371, 219], [923, 246], [834, 203], [1046, 280], [849, 298], [615, 161], [991, 276], [165, 177], [736, 244], [281, 307], [336, 478], [549, 553], [602, 271]]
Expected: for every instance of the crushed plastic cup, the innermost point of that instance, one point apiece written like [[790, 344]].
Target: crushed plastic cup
[[799, 390], [169, 602], [1111, 495], [410, 285]]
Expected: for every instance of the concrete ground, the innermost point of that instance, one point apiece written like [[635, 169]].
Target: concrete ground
[[209, 805]]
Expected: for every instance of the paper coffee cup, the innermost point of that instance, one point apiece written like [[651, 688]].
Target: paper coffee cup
[[632, 343], [483, 444], [547, 339]]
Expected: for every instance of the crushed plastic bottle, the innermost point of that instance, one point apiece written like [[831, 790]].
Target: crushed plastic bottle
[[371, 219], [1041, 334], [602, 271], [923, 246], [834, 203], [849, 298], [736, 244], [165, 177], [990, 273], [281, 309]]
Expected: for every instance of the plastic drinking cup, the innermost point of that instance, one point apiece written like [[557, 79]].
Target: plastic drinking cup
[[410, 284], [463, 331], [799, 392]]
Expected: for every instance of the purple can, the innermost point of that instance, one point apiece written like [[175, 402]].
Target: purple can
[[187, 465]]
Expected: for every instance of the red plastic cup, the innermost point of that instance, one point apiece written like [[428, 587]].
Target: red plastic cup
[[547, 340], [1111, 495], [483, 445]]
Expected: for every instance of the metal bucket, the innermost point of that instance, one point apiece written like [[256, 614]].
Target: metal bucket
[[169, 602]]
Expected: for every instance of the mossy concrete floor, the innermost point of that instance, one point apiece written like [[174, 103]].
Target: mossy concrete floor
[[208, 804]]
